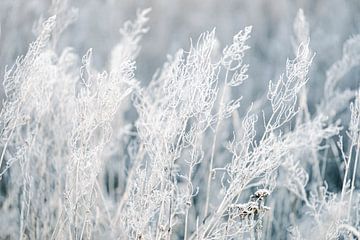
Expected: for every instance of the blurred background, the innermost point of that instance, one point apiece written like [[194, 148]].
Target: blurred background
[[173, 23]]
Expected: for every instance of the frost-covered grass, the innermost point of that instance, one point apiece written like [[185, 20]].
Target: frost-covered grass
[[194, 160]]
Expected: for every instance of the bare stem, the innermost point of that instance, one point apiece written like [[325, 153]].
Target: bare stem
[[214, 146]]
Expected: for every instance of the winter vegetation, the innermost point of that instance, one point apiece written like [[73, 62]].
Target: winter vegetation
[[93, 147]]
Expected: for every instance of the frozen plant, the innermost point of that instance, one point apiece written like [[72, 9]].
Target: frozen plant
[[100, 154]]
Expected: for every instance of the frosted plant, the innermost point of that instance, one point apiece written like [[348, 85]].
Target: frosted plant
[[128, 47], [65, 15], [235, 74], [255, 160], [283, 94], [39, 73], [97, 103], [18, 88], [301, 34], [354, 135], [162, 126], [334, 99], [28, 95], [297, 179], [98, 154]]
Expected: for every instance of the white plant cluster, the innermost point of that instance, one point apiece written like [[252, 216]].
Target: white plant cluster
[[194, 163]]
